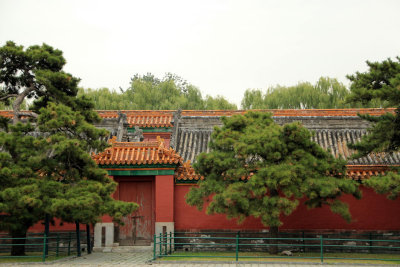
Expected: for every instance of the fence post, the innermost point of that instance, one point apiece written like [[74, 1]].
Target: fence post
[[47, 231], [370, 242], [173, 240], [304, 241], [166, 243], [58, 244], [44, 248], [160, 244], [170, 242], [322, 248], [237, 246], [154, 247], [341, 237], [69, 244]]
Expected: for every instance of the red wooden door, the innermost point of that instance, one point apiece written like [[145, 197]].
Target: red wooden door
[[138, 226]]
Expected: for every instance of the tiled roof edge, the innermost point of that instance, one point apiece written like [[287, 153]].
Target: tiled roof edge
[[275, 112]]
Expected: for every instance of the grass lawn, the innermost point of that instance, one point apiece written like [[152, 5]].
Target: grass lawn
[[297, 257], [31, 257]]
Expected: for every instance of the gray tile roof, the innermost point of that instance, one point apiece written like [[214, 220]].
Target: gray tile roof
[[192, 135]]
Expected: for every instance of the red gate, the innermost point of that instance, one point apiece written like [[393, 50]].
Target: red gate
[[138, 228]]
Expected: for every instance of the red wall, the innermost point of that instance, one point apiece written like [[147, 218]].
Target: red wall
[[39, 227], [373, 212], [164, 198]]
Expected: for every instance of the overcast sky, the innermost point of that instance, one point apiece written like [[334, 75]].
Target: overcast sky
[[222, 47]]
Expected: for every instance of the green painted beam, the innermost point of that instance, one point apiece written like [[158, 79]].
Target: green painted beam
[[142, 166], [152, 129], [140, 172], [186, 181]]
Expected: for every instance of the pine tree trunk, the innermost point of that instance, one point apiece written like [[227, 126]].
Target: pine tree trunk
[[18, 101], [18, 248], [273, 229], [273, 234]]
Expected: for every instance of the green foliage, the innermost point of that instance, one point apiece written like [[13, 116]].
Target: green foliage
[[326, 93], [150, 93], [53, 173], [21, 156], [217, 103], [47, 169], [389, 184], [284, 166], [380, 83], [6, 105], [72, 172], [34, 73], [104, 99]]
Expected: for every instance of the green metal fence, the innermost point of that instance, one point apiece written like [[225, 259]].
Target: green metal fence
[[38, 245], [320, 247]]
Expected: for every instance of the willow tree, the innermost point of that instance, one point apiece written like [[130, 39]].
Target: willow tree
[[325, 93], [259, 168], [149, 92]]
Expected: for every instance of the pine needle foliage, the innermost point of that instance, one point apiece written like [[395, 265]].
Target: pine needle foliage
[[381, 82], [259, 168], [45, 167]]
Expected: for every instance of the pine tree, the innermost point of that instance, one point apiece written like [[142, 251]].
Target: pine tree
[[21, 200], [259, 168], [46, 168], [381, 82]]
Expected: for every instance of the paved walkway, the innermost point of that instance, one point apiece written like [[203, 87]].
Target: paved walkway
[[110, 259], [141, 259]]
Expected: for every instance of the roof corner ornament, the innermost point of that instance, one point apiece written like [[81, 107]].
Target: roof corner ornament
[[112, 140], [160, 142], [187, 165], [108, 153], [162, 150]]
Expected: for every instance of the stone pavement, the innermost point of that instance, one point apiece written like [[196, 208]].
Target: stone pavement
[[141, 259]]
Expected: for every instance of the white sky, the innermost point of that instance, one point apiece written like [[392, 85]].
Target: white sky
[[222, 47]]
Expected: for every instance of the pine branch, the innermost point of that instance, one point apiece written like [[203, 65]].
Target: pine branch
[[27, 114], [7, 97]]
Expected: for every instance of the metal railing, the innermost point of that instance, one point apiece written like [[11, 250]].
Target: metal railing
[[38, 245], [320, 248]]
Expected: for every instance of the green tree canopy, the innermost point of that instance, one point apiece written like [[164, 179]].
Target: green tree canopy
[[148, 92], [282, 163], [326, 93], [34, 73], [380, 83], [76, 179], [45, 167], [21, 200]]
